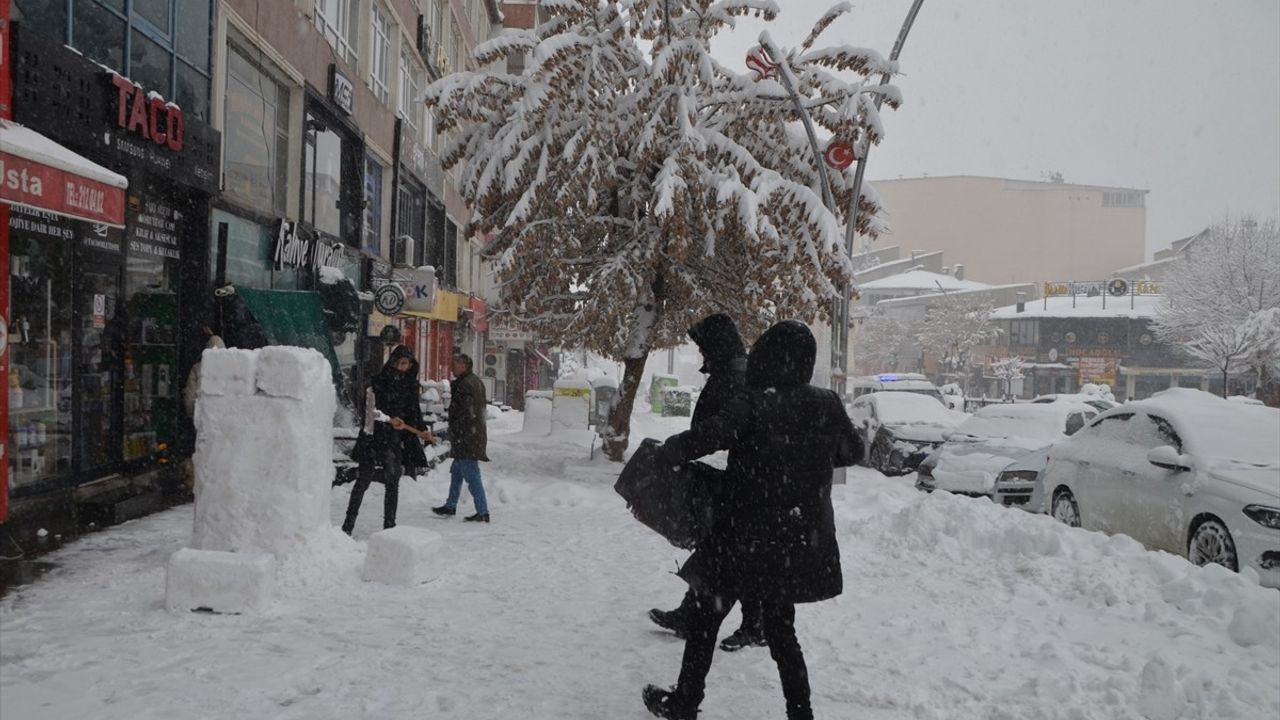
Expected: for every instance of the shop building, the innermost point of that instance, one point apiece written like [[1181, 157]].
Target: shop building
[[101, 313]]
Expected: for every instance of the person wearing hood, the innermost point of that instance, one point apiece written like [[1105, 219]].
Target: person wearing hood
[[391, 444], [725, 364], [774, 540]]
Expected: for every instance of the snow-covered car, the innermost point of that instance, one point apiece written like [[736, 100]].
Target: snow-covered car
[[981, 447], [1018, 484], [893, 382], [1098, 403], [1183, 471], [900, 429]]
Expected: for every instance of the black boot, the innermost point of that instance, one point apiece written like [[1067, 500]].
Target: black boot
[[668, 704], [743, 637], [444, 511], [478, 517], [674, 620]]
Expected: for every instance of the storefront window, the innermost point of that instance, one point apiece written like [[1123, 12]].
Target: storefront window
[[100, 361], [40, 347], [256, 135], [372, 207], [322, 179]]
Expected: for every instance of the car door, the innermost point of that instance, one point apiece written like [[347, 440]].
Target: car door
[[860, 416], [1100, 456], [1154, 498]]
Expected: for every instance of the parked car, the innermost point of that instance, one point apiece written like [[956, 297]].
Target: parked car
[[981, 447], [899, 429], [1183, 471], [1097, 402], [893, 382]]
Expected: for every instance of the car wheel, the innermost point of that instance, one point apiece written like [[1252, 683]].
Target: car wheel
[[1065, 509], [1211, 543]]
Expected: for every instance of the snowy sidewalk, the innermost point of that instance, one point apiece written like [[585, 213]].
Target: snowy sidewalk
[[953, 608]]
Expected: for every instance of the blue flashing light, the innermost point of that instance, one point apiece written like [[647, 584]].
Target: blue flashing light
[[887, 378]]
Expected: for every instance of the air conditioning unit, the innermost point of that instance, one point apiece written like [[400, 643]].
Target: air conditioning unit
[[402, 251]]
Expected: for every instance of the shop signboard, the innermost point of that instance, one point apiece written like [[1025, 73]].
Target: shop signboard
[[153, 228], [341, 91], [1116, 287], [419, 285], [300, 247], [503, 334], [26, 182]]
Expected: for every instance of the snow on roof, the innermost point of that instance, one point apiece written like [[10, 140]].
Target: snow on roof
[[1038, 421], [26, 143], [1217, 428], [1126, 271], [927, 298], [922, 280], [906, 408], [1143, 306]]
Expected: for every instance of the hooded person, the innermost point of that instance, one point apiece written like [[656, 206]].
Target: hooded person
[[774, 538], [389, 438], [724, 361]]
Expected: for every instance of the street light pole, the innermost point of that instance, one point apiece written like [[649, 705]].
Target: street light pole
[[840, 325]]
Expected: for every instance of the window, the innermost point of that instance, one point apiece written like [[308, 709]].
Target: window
[[1123, 198], [372, 206], [437, 35], [1075, 421], [380, 54], [1154, 431], [256, 134], [336, 19], [410, 101], [1024, 333], [322, 178], [412, 218]]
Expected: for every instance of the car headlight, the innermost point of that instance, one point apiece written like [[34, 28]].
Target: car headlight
[[1263, 515]]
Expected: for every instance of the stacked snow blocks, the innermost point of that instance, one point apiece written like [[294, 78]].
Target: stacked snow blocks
[[219, 581], [404, 556], [570, 405], [263, 472]]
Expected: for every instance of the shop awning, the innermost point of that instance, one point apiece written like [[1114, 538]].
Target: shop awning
[[38, 173], [291, 317], [446, 307]]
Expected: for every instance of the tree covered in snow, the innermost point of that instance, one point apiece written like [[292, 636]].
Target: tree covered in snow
[[633, 184], [953, 326], [885, 343], [1221, 299], [1006, 370]]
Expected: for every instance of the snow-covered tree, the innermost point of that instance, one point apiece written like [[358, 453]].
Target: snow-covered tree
[[1220, 297], [1006, 370], [631, 191], [885, 343], [953, 326]]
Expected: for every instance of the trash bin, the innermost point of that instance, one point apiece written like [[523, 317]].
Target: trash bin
[[606, 396], [677, 401], [656, 386]]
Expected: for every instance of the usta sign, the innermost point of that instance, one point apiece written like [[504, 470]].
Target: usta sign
[[147, 114]]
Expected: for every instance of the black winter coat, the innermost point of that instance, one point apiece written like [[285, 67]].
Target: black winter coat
[[468, 436], [774, 538], [396, 395], [724, 361]]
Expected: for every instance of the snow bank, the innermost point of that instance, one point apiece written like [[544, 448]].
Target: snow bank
[[222, 582], [264, 449]]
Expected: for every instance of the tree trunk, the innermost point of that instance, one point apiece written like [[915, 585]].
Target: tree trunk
[[1224, 382], [615, 444]]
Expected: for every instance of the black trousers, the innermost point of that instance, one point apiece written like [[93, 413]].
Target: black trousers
[[752, 613], [391, 467], [706, 614]]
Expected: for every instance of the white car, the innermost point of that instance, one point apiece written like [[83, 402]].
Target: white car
[[893, 382], [1184, 471], [899, 429], [1098, 403], [981, 447]]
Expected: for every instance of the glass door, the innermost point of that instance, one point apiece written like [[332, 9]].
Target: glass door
[[101, 365]]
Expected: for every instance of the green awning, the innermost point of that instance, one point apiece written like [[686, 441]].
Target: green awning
[[292, 317]]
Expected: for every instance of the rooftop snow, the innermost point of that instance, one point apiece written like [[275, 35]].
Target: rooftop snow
[[922, 280], [1144, 306]]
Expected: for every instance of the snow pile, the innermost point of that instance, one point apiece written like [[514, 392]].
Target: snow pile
[[570, 405], [221, 582], [264, 449], [404, 556]]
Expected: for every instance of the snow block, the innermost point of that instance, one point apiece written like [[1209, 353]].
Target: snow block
[[404, 555], [537, 412], [219, 581], [264, 464], [291, 372], [570, 405], [228, 372]]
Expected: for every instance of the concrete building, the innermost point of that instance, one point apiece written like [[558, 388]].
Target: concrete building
[[1012, 231]]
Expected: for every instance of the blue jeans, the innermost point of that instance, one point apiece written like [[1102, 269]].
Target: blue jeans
[[468, 470]]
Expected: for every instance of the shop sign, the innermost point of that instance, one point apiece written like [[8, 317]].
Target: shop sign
[[1097, 369], [419, 286], [297, 247], [148, 115], [1115, 287], [498, 334], [34, 184], [153, 228], [341, 91], [389, 299]]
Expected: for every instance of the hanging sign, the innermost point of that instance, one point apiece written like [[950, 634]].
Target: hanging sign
[[389, 299], [759, 62], [839, 154]]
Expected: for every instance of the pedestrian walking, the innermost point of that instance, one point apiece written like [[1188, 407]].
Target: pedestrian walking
[[468, 439], [389, 439], [774, 540], [724, 361]]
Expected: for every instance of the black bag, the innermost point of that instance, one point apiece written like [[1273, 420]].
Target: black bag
[[678, 502]]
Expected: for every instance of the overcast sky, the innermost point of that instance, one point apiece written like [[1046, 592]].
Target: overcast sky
[[1178, 97]]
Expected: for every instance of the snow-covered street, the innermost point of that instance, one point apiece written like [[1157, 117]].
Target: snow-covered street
[[953, 608]]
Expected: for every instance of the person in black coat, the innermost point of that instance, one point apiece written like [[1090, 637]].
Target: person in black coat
[[775, 539], [725, 363], [389, 446]]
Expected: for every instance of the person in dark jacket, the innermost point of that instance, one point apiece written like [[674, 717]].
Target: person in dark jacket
[[724, 360], [468, 440], [392, 445], [775, 539]]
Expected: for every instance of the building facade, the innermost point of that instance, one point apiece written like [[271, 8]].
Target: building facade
[[1010, 231]]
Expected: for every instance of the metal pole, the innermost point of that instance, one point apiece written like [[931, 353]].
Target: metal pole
[[788, 82], [839, 355]]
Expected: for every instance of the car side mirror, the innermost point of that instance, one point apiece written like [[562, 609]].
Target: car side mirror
[[1167, 458]]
